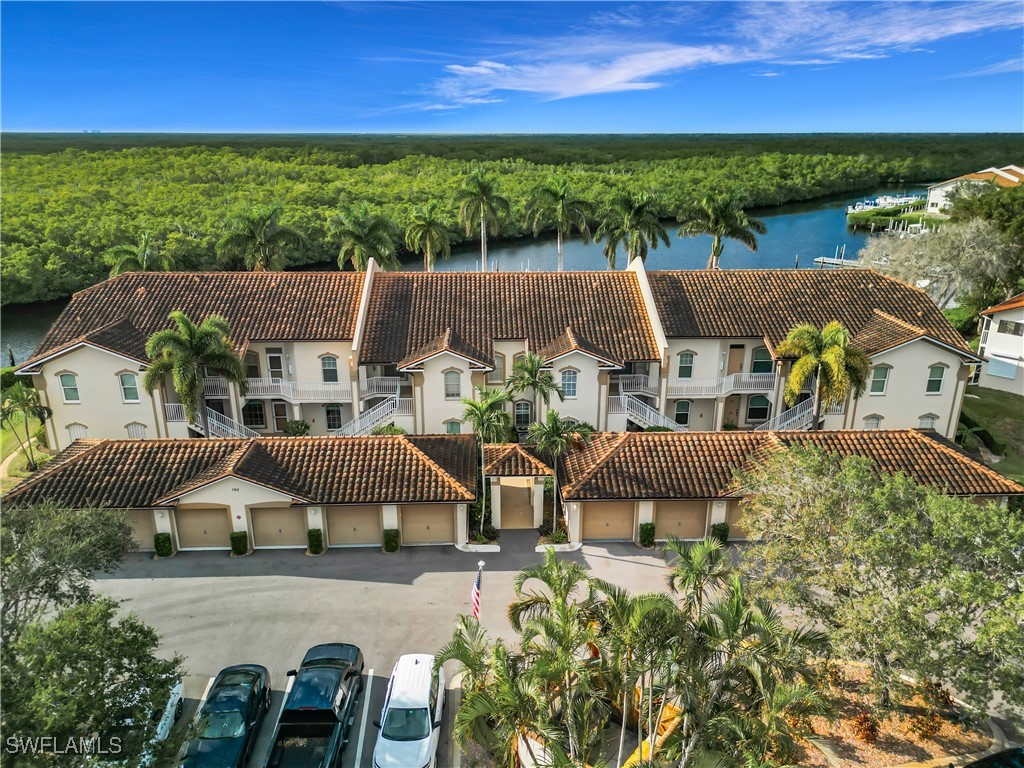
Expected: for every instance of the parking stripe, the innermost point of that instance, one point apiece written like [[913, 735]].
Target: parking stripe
[[202, 699], [366, 709]]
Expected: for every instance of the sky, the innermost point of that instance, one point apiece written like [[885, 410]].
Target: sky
[[498, 67]]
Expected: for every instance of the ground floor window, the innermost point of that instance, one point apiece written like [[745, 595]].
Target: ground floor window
[[758, 407], [683, 413], [78, 431], [928, 421], [872, 422], [253, 415], [333, 416]]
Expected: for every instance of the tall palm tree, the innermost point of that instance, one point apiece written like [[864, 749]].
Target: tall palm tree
[[21, 404], [491, 423], [566, 582], [479, 202], [365, 235], [554, 206], [554, 437], [700, 568], [428, 234], [184, 352], [530, 374], [824, 355], [631, 221], [257, 237], [720, 217], [144, 257]]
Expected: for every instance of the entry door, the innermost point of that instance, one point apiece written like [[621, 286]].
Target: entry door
[[275, 363], [280, 415], [731, 414], [735, 365]]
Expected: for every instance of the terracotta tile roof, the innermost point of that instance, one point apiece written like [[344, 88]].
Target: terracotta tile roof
[[126, 309], [1014, 302], [998, 179], [700, 465], [571, 341], [447, 341], [408, 311], [514, 460], [768, 303], [883, 331], [126, 474]]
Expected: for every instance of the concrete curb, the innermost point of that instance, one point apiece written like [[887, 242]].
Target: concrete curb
[[478, 547], [454, 701], [542, 548]]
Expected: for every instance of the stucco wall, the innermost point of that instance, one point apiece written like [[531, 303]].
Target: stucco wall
[[583, 407], [1007, 348], [435, 411]]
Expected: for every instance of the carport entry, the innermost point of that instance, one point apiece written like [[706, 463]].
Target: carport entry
[[516, 503], [428, 524], [143, 528], [608, 521], [278, 527], [353, 526], [203, 527], [684, 519]]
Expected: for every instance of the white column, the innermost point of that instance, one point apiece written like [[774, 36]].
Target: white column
[[574, 521], [719, 508], [538, 501], [315, 519], [389, 516], [495, 496], [461, 529]]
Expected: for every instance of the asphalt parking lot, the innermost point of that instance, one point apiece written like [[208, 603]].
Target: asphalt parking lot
[[270, 607]]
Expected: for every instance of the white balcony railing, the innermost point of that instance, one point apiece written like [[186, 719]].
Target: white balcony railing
[[722, 385], [301, 391], [637, 384], [215, 387], [220, 425], [382, 412], [799, 416], [641, 413], [174, 412], [615, 405], [382, 386]]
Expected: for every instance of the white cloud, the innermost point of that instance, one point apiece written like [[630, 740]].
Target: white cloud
[[1011, 66], [767, 74]]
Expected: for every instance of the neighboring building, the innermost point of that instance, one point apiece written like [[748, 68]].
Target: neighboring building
[[1002, 346], [347, 352], [938, 194]]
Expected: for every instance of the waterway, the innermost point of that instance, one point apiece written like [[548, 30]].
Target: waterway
[[797, 234]]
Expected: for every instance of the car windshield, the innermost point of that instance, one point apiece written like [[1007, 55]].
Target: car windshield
[[221, 725], [406, 725]]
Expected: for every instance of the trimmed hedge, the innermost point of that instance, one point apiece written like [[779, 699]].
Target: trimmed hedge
[[316, 541], [646, 535], [239, 542], [392, 540], [162, 544], [720, 531]]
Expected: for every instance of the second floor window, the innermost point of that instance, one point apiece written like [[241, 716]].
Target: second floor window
[[1010, 328], [69, 387], [569, 383], [497, 376], [935, 374], [879, 380], [275, 363], [452, 385], [129, 387], [762, 361], [683, 413], [252, 365], [523, 414], [333, 416], [685, 370], [253, 415], [329, 368]]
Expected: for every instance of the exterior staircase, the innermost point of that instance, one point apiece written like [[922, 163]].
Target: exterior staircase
[[223, 426], [381, 413], [799, 416], [641, 413]]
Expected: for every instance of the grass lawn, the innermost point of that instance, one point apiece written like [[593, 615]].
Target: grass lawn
[[8, 442], [1002, 414], [17, 470]]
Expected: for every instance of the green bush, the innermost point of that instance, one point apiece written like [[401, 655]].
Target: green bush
[[646, 535], [392, 540], [995, 444], [729, 426], [162, 544], [387, 429], [658, 429], [239, 542], [316, 540], [549, 488], [296, 428], [8, 379], [720, 531], [964, 319], [40, 436], [558, 536]]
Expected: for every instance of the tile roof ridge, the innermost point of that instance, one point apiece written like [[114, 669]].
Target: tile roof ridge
[[945, 447], [620, 440], [506, 449], [419, 453], [54, 465], [530, 457], [899, 321], [230, 461]]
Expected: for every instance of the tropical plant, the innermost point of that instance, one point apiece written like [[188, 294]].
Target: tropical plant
[[479, 202], [365, 235], [554, 206], [719, 216], [257, 237], [700, 568], [185, 352], [21, 404], [531, 374], [825, 357], [565, 582], [144, 257], [554, 437], [491, 423], [428, 233], [632, 221], [387, 429]]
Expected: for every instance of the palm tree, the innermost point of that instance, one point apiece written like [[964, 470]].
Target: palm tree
[[827, 357], [719, 216], [479, 201], [554, 206], [19, 400], [363, 236], [700, 567], [144, 257], [428, 234], [256, 236], [529, 373], [565, 581], [491, 424], [469, 647], [184, 353], [554, 437], [631, 221]]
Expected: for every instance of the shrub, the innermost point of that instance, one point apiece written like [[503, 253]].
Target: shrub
[[316, 540], [239, 542], [558, 536], [162, 544], [657, 429], [925, 726], [544, 529], [387, 429], [720, 531], [646, 535], [8, 379], [296, 428], [490, 532], [729, 426], [40, 436], [392, 540], [964, 319], [865, 727]]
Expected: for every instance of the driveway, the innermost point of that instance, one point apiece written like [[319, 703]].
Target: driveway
[[270, 607]]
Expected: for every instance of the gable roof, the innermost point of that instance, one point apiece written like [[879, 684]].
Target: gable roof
[[571, 341], [514, 460], [700, 465], [1007, 176], [1014, 302], [119, 314], [451, 342], [768, 303], [407, 312], [129, 474], [883, 331]]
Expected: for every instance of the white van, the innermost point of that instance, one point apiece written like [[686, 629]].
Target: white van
[[410, 723]]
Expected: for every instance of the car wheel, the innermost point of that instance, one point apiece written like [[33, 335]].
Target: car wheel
[[178, 709]]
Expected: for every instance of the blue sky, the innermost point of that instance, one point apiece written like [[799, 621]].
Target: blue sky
[[580, 67]]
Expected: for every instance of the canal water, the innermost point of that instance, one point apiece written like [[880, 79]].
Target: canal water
[[797, 234]]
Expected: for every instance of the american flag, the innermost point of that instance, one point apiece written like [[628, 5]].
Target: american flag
[[475, 594]]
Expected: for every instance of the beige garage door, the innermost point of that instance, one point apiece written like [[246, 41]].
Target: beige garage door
[[203, 528], [428, 524], [348, 526], [609, 520], [685, 519], [516, 503], [733, 517], [143, 528], [279, 527]]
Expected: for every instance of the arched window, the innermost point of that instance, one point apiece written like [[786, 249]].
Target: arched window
[[69, 387], [453, 427], [685, 370], [758, 408], [136, 431], [524, 414], [569, 383], [571, 422], [452, 385], [762, 362], [683, 412], [927, 421], [879, 379], [129, 387], [497, 376], [874, 421], [935, 374], [78, 431], [329, 369], [333, 412]]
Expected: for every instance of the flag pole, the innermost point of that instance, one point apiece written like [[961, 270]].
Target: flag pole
[[474, 596]]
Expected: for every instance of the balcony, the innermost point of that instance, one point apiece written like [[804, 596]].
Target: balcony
[[174, 412], [292, 391], [382, 386], [722, 385], [637, 384]]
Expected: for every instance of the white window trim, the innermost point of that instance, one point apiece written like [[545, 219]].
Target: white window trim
[[444, 384], [693, 362], [750, 420], [337, 368], [447, 424], [561, 381], [879, 417], [942, 379], [262, 425], [63, 391], [753, 361], [675, 412], [932, 416], [327, 417], [128, 429], [885, 383], [120, 386], [492, 375], [515, 411], [77, 424]]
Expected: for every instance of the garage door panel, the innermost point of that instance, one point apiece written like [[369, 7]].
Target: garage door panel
[[143, 528], [279, 527], [684, 519], [428, 524], [608, 520], [352, 526], [203, 528]]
